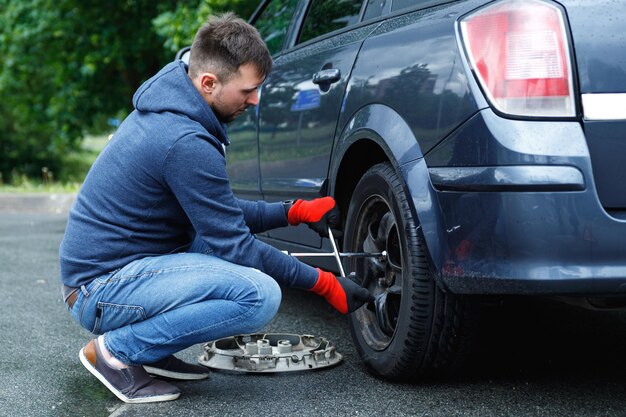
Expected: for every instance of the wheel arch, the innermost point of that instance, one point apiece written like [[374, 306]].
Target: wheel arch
[[358, 158], [377, 133]]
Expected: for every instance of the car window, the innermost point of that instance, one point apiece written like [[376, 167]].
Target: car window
[[327, 15], [273, 23], [404, 4], [375, 8]]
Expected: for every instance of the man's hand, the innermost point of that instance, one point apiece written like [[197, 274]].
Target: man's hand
[[318, 214], [340, 292]]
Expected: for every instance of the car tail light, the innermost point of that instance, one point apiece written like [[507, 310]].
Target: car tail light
[[519, 52]]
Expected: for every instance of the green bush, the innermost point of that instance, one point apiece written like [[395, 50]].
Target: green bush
[[70, 65]]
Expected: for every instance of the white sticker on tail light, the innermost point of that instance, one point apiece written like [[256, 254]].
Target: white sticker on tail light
[[519, 51]]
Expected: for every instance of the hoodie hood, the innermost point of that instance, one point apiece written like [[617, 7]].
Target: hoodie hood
[[171, 90]]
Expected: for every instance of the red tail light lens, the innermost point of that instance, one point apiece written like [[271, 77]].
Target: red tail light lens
[[519, 52]]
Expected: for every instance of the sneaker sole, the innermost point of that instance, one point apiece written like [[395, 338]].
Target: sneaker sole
[[119, 394], [174, 375]]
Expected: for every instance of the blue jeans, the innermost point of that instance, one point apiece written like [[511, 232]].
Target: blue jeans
[[156, 306]]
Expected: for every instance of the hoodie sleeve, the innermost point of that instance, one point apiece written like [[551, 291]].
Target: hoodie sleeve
[[261, 216], [195, 172]]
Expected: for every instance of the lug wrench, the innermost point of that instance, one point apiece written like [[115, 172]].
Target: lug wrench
[[336, 252], [338, 255], [377, 305]]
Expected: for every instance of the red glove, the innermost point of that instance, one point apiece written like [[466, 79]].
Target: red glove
[[318, 214], [342, 293]]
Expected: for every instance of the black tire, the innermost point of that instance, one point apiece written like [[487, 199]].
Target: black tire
[[414, 329]]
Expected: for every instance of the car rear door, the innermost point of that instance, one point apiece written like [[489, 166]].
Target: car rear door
[[301, 102], [272, 21]]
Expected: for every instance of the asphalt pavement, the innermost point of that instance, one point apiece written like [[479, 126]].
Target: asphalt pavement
[[534, 357]]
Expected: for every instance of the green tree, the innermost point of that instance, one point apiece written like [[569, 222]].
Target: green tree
[[179, 25], [69, 65]]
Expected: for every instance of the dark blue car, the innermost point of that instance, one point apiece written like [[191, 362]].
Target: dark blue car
[[481, 144]]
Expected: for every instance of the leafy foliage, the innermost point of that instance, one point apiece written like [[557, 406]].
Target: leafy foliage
[[179, 25], [70, 65]]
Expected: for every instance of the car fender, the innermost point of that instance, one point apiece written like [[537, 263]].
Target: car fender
[[392, 135]]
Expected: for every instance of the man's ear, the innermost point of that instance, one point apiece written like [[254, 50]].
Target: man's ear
[[208, 82]]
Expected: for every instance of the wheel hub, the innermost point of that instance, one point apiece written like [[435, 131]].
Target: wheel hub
[[381, 276]]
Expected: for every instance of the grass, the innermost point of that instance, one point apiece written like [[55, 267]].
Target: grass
[[75, 168], [31, 186], [279, 147]]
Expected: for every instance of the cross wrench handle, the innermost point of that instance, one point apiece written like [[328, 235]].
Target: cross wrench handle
[[336, 252]]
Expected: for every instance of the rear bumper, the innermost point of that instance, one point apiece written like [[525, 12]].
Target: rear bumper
[[531, 242], [518, 212]]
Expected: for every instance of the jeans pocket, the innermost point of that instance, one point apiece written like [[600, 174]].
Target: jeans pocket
[[113, 316]]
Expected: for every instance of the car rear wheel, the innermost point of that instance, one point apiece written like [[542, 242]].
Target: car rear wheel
[[413, 329]]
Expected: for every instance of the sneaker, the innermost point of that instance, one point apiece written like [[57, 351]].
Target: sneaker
[[132, 384], [172, 367]]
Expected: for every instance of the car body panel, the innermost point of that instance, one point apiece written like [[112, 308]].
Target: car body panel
[[376, 122], [243, 156], [504, 204], [555, 235], [411, 63], [607, 148], [307, 116], [298, 120], [599, 39]]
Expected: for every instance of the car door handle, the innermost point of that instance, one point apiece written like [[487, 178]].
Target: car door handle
[[327, 76]]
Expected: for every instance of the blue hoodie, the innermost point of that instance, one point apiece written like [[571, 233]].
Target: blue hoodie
[[162, 178]]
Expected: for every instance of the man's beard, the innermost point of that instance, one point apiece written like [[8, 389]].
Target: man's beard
[[222, 116]]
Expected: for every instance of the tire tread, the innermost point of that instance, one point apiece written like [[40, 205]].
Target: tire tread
[[433, 344]]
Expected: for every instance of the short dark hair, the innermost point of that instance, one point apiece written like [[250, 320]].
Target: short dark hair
[[223, 44]]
